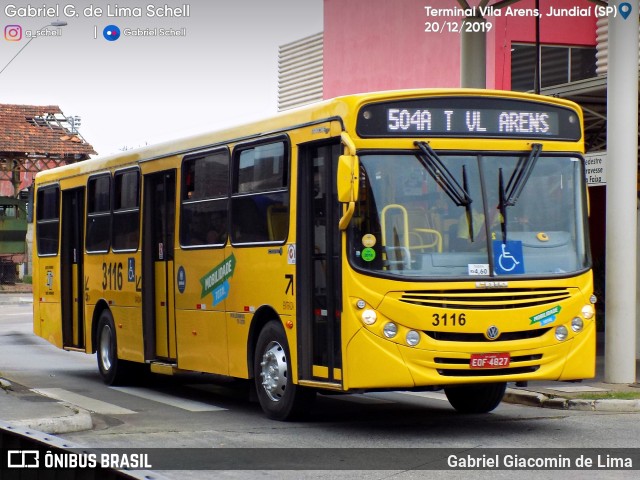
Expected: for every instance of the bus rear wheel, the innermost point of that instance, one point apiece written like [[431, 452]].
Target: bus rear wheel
[[279, 397], [113, 370], [479, 398]]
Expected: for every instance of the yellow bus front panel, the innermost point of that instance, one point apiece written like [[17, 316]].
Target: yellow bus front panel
[[526, 346]]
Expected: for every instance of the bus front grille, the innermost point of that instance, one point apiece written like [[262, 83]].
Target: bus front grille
[[465, 361], [480, 337], [515, 368], [470, 299], [487, 372]]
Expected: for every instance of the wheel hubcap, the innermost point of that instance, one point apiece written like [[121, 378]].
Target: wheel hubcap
[[105, 347], [274, 371]]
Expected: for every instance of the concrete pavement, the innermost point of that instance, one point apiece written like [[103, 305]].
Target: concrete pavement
[[570, 396], [21, 407]]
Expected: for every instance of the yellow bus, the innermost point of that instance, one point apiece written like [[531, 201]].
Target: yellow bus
[[403, 240]]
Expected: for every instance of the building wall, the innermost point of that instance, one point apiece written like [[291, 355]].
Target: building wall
[[382, 44], [573, 31]]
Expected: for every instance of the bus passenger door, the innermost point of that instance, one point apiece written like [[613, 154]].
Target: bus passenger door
[[158, 313], [318, 263], [72, 280]]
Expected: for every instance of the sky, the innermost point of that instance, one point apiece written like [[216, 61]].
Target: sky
[[139, 90]]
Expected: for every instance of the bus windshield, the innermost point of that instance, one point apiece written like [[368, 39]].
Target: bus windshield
[[427, 215]]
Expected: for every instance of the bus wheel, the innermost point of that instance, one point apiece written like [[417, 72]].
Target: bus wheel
[[112, 370], [480, 398], [279, 397]]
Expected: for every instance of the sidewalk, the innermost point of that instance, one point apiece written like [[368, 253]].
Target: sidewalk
[[567, 395], [23, 408]]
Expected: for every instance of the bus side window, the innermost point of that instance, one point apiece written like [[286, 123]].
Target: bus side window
[[205, 190], [48, 220], [126, 210], [260, 196], [98, 238]]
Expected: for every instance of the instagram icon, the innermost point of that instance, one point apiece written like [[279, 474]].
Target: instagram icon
[[13, 33]]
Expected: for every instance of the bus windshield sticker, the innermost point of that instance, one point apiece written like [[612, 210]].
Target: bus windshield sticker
[[216, 281], [369, 240], [508, 257], [368, 254], [546, 317], [478, 269]]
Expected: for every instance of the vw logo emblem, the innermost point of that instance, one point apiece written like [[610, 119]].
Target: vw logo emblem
[[492, 332]]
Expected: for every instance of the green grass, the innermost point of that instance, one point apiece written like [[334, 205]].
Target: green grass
[[610, 396]]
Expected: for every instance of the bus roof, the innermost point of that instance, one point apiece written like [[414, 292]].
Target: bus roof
[[343, 108]]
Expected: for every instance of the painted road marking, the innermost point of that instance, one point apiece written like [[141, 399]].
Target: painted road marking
[[430, 395], [86, 403], [167, 399]]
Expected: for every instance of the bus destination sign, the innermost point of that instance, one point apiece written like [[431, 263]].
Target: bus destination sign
[[473, 117]]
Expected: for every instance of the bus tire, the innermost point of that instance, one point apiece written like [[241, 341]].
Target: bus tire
[[112, 370], [479, 398], [279, 397]]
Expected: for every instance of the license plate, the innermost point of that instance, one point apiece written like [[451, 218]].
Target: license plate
[[489, 360]]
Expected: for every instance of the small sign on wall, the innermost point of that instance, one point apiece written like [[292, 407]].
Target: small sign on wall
[[596, 168]]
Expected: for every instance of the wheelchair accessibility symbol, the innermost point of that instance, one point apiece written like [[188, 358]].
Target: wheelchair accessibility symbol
[[131, 270], [507, 257]]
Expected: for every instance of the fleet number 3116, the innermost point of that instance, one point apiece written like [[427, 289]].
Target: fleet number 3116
[[446, 320]]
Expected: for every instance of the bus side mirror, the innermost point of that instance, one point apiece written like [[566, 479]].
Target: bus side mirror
[[347, 182]]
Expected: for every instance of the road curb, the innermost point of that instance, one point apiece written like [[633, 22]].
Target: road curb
[[536, 399], [78, 421]]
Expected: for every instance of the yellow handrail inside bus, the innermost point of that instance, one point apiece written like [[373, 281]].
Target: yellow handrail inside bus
[[417, 229], [405, 223]]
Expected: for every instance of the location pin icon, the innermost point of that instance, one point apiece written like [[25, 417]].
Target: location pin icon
[[625, 10]]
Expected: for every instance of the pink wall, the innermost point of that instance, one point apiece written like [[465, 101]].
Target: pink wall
[[381, 44]]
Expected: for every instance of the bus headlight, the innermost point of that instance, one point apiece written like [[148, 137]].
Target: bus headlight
[[561, 333], [390, 330], [588, 312], [577, 324], [412, 338], [369, 317]]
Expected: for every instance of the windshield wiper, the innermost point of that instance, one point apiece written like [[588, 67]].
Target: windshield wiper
[[509, 197], [442, 176], [459, 194]]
